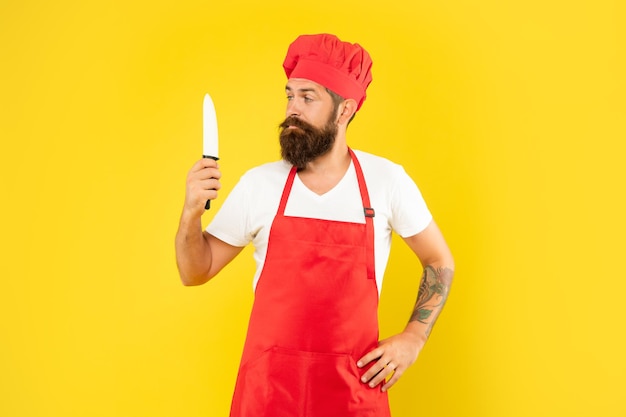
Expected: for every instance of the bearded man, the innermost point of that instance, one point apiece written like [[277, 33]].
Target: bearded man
[[320, 221]]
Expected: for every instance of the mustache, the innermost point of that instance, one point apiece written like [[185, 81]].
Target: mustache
[[294, 121]]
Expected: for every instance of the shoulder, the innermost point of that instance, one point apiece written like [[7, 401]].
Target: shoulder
[[377, 165], [268, 173], [386, 177]]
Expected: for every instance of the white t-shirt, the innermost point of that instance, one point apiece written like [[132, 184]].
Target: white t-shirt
[[248, 211]]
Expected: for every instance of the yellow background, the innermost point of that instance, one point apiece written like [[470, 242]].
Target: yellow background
[[510, 115]]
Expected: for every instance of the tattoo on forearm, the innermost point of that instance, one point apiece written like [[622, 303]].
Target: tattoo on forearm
[[432, 295]]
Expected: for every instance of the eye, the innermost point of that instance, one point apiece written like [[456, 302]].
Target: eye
[[308, 99], [289, 98]]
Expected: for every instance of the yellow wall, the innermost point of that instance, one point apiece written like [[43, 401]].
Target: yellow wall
[[509, 115]]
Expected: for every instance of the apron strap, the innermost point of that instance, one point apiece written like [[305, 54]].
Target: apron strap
[[368, 211], [286, 191]]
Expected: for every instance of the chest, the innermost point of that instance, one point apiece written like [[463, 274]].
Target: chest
[[341, 202]]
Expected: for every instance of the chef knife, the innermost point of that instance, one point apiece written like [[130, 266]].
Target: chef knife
[[209, 133]]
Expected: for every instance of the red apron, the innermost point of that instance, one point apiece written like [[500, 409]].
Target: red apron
[[314, 316]]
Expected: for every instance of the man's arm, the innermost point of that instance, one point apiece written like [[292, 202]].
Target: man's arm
[[199, 255], [395, 354]]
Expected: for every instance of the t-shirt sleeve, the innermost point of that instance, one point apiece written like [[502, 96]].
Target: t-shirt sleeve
[[410, 214], [231, 222]]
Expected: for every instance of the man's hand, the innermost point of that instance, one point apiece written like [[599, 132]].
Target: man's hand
[[202, 185], [199, 255], [392, 357]]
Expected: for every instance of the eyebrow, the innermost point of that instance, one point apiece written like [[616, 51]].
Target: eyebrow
[[302, 90]]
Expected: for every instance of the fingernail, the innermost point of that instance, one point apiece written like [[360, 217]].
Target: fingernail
[[359, 364], [363, 379]]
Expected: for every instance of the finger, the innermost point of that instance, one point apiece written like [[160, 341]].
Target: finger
[[211, 195], [204, 173], [369, 357], [204, 163], [208, 162], [397, 373], [202, 177], [199, 186], [202, 197], [373, 373], [210, 184], [201, 191], [381, 376]]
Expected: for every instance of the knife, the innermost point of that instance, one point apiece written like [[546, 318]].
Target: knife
[[209, 133]]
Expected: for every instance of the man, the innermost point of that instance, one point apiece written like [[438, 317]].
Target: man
[[321, 222]]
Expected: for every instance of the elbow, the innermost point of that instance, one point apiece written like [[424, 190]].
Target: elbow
[[450, 263], [441, 261], [193, 279], [188, 281], [449, 266], [446, 260], [443, 268]]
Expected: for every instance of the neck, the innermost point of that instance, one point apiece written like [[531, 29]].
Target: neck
[[323, 173], [335, 160]]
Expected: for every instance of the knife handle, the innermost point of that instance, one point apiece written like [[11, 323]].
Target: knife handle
[[208, 202]]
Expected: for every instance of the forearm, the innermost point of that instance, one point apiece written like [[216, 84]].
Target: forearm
[[193, 253], [432, 295], [395, 354]]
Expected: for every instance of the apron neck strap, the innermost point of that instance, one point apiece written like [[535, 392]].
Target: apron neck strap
[[286, 191], [369, 213], [365, 198]]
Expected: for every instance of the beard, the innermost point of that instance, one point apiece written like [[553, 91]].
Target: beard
[[306, 142]]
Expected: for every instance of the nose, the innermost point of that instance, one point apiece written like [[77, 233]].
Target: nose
[[292, 108]]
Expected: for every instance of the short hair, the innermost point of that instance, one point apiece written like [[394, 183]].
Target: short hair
[[337, 100]]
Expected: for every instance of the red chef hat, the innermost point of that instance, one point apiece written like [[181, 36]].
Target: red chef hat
[[342, 67]]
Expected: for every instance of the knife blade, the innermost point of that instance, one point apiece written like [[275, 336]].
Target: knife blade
[[209, 133]]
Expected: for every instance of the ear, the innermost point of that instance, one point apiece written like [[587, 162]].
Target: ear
[[346, 111]]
